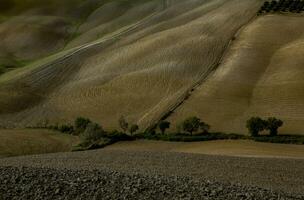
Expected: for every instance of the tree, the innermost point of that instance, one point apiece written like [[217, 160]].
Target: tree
[[123, 124], [134, 128], [92, 133], [81, 124], [255, 125], [163, 125], [204, 127], [191, 124], [273, 124]]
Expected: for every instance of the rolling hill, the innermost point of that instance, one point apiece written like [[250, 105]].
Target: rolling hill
[[149, 60]]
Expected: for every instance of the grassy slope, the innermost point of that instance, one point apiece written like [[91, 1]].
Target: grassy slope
[[33, 141]]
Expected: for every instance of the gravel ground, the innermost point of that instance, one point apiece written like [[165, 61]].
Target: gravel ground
[[113, 174]]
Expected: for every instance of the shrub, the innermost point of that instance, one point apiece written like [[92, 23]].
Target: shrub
[[92, 133], [123, 124], [66, 128], [255, 125], [163, 125], [273, 124], [81, 124], [134, 128], [116, 136]]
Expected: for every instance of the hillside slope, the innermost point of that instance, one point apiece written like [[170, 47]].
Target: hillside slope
[[261, 75], [141, 70], [147, 59]]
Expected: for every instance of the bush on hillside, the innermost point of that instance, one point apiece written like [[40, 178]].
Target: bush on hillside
[[116, 136], [92, 133], [81, 124], [66, 128]]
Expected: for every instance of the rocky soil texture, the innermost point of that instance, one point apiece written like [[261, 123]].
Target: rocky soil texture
[[118, 174], [38, 183]]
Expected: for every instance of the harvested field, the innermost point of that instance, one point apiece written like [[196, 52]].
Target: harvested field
[[137, 71], [261, 75], [244, 148], [113, 185], [146, 59], [34, 141], [274, 176]]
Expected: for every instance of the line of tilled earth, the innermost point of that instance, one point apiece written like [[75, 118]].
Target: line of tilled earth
[[106, 174], [35, 183]]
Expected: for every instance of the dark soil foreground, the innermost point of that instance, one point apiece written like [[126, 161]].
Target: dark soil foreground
[[105, 174], [34, 183]]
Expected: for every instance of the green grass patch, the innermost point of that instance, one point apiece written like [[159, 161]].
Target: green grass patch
[[8, 64]]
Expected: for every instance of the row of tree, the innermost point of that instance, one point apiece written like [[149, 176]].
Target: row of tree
[[89, 129], [255, 125], [295, 6], [190, 125]]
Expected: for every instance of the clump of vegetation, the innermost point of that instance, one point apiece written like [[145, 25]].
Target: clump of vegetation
[[294, 6], [133, 129], [256, 125], [95, 137], [283, 139], [123, 124], [163, 126], [126, 127], [81, 124], [273, 124], [66, 128], [93, 133], [194, 124]]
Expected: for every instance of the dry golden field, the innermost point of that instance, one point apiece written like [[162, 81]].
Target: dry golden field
[[142, 59], [34, 141], [240, 148], [260, 75]]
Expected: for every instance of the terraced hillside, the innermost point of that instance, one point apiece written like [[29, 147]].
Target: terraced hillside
[[142, 59]]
